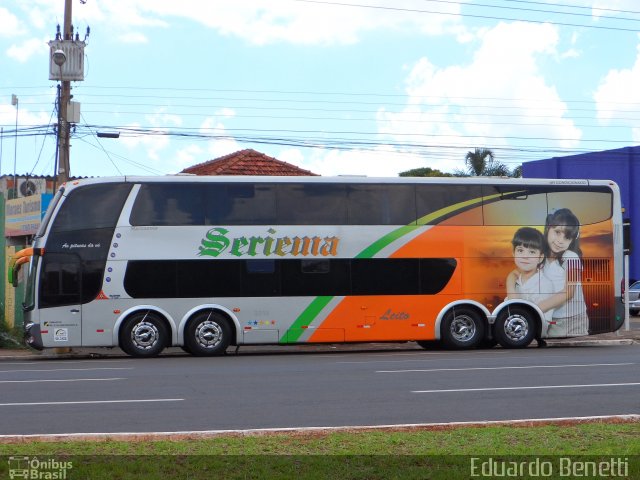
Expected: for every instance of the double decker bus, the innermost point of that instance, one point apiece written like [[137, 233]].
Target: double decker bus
[[207, 262]]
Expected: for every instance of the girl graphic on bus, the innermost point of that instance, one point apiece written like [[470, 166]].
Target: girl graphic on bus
[[563, 268]]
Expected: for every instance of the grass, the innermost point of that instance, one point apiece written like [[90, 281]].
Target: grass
[[10, 337], [434, 453]]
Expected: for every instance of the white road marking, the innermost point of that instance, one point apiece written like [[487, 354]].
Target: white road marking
[[66, 369], [504, 368], [65, 380], [454, 358], [538, 387], [91, 402]]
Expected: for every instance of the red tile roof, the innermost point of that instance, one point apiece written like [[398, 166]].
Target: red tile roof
[[246, 162]]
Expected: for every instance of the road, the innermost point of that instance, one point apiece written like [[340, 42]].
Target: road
[[318, 389]]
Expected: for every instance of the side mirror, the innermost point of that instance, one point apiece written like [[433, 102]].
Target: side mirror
[[15, 269]]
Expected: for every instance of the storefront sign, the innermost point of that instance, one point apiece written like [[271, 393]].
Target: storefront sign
[[23, 215]]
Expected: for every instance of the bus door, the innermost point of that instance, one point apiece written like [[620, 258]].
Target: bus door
[[60, 300]]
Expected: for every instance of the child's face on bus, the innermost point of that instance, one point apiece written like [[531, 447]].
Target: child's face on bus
[[558, 239], [527, 259]]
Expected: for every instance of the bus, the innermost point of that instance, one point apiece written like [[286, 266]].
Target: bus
[[204, 263]]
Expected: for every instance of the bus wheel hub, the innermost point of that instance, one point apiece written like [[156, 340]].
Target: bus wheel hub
[[209, 334]]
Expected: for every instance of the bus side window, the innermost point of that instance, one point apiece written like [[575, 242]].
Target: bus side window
[[382, 204], [514, 205], [241, 204], [161, 204], [312, 204], [261, 278], [457, 204], [61, 280]]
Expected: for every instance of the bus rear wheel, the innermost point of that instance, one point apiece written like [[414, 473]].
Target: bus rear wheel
[[515, 327], [462, 328], [144, 334], [207, 334]]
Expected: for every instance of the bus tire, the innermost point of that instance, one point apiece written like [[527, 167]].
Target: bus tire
[[207, 334], [144, 334], [462, 328], [515, 327]]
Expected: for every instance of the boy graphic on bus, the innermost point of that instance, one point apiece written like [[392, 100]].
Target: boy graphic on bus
[[527, 281], [563, 267]]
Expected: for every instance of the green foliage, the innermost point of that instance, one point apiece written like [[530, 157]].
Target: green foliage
[[479, 162], [9, 338], [424, 172], [482, 162]]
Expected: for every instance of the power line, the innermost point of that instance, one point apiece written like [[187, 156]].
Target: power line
[[484, 17]]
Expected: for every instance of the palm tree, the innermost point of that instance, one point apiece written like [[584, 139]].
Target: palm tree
[[477, 163], [482, 162]]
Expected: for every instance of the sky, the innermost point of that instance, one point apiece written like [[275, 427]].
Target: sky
[[338, 87]]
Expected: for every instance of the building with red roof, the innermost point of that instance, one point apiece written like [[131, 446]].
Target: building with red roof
[[247, 162]]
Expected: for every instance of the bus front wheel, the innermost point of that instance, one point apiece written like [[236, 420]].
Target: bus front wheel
[[207, 334], [515, 327], [144, 334], [462, 328]]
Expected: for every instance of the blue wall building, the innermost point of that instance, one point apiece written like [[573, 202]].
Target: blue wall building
[[621, 165]]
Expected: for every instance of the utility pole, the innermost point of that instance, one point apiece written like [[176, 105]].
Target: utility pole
[[65, 98], [66, 64]]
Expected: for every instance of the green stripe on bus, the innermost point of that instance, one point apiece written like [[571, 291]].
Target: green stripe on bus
[[306, 317], [316, 306], [388, 239], [447, 210]]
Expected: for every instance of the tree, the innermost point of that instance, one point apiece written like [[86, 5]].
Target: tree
[[482, 162], [424, 172], [517, 172], [476, 161]]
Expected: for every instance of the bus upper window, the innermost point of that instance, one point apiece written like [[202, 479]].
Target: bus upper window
[[168, 204], [457, 204], [589, 206], [514, 205], [91, 206], [241, 204], [392, 204], [312, 204]]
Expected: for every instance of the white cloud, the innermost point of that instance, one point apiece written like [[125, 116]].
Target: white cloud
[[152, 144], [133, 37], [502, 93], [385, 161], [618, 93], [296, 22], [222, 144], [23, 52], [162, 118], [187, 157], [10, 24], [226, 112]]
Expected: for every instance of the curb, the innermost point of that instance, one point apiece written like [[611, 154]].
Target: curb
[[301, 431]]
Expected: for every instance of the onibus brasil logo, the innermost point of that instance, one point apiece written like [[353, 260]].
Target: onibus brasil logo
[[217, 241], [38, 469]]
